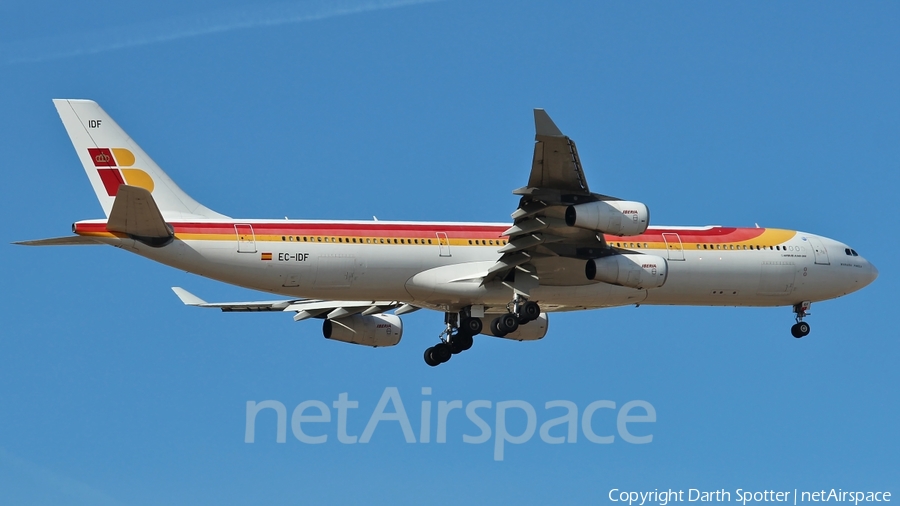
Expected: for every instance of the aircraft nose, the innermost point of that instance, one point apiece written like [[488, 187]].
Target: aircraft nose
[[871, 273]]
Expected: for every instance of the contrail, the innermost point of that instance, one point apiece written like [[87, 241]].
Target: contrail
[[142, 34]]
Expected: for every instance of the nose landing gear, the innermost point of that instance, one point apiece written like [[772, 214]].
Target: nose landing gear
[[801, 328]]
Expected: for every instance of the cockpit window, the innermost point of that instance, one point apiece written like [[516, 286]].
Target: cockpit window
[[853, 251], [850, 252]]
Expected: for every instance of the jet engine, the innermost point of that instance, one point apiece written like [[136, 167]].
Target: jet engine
[[616, 217], [373, 330], [531, 331], [634, 271]]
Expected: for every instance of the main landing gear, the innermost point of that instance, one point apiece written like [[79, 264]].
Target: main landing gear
[[456, 338], [520, 313], [462, 327], [801, 328]]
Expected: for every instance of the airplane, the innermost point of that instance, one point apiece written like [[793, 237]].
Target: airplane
[[566, 249]]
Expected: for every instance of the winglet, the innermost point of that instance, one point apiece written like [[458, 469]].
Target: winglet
[[543, 125], [187, 297]]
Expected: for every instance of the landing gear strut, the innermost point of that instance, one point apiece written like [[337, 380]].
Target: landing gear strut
[[456, 338], [801, 328]]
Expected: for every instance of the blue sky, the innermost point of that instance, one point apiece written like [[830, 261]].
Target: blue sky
[[782, 114]]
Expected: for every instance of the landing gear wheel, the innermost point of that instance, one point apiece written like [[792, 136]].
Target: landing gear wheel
[[455, 348], [470, 326], [529, 312], [429, 359], [441, 352], [495, 327], [800, 329], [461, 342], [508, 323]]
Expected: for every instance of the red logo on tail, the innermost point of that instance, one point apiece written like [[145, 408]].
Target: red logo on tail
[[102, 157]]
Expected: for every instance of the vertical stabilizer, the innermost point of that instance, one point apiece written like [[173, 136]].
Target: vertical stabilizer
[[111, 158]]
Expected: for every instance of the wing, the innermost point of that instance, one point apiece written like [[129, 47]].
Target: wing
[[542, 249], [304, 308], [556, 165]]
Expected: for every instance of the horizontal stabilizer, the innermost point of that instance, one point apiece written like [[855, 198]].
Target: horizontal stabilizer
[[134, 212], [74, 240]]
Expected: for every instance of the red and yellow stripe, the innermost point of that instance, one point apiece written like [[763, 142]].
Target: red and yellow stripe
[[456, 234]]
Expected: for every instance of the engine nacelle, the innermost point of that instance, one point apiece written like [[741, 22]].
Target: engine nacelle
[[634, 271], [531, 331], [372, 330], [616, 217]]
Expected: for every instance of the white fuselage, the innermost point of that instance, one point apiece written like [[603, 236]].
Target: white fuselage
[[437, 265]]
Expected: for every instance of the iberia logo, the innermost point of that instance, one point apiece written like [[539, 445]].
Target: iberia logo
[[115, 168]]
